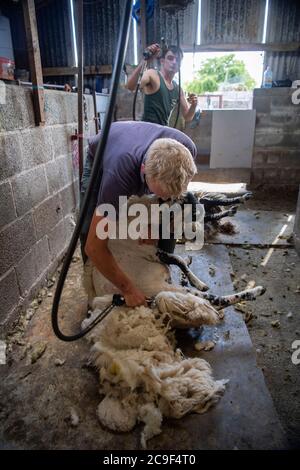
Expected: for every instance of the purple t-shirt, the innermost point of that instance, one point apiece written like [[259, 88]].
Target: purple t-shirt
[[126, 147]]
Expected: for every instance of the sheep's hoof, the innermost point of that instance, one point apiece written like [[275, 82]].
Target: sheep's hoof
[[233, 210], [247, 196], [262, 290]]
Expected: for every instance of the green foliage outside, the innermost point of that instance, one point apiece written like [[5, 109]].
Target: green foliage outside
[[226, 70]]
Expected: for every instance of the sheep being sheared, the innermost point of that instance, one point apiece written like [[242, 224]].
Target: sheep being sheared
[[143, 377], [212, 204]]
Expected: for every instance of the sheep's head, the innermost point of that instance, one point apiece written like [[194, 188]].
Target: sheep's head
[[180, 218]]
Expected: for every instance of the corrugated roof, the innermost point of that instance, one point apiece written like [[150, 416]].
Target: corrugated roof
[[54, 30], [232, 21], [284, 65], [283, 27], [283, 21], [223, 21], [162, 24], [101, 25]]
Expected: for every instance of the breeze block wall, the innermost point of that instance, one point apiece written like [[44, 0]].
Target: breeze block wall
[[276, 153], [38, 191]]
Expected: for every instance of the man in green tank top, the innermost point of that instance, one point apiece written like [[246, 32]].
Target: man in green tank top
[[160, 90]]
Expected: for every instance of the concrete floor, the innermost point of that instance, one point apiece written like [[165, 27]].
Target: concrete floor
[[273, 341], [46, 380]]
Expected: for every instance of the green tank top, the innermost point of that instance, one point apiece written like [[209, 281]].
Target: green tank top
[[158, 106]]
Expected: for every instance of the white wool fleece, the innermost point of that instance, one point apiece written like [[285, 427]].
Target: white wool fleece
[[142, 375], [186, 310]]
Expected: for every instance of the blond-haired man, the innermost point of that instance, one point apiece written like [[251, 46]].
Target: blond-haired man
[[140, 158]]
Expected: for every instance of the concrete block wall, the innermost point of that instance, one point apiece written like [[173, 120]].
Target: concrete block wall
[[201, 134], [296, 230], [124, 105], [38, 192], [276, 154]]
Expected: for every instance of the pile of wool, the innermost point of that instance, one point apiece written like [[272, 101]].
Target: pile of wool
[[142, 375]]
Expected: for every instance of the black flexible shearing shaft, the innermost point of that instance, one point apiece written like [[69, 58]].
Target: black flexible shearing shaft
[[179, 73]]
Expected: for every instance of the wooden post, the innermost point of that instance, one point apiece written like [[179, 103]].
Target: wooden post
[[34, 60], [80, 86]]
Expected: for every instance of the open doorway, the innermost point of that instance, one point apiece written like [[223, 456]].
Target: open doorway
[[223, 79], [224, 83]]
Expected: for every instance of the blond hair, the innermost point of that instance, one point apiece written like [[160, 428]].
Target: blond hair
[[171, 164]]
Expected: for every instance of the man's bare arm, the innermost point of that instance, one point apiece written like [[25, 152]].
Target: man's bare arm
[[133, 79], [97, 250], [188, 111]]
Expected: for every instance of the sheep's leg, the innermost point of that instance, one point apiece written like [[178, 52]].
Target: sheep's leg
[[226, 300], [228, 201], [183, 279], [220, 215], [169, 259], [209, 203], [246, 196]]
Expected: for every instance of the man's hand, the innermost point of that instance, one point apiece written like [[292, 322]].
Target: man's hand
[[154, 50], [192, 99], [98, 252], [134, 78], [134, 297], [188, 112]]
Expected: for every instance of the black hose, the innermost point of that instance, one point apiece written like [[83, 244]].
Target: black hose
[[134, 101], [138, 86], [95, 174], [179, 74]]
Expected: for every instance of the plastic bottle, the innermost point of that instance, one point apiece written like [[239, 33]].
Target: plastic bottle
[[267, 81]]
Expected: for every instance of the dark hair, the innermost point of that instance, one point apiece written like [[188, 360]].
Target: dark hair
[[176, 51]]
